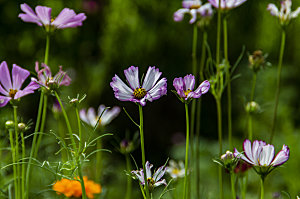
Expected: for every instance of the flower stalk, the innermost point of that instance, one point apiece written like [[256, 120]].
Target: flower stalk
[[13, 152], [219, 111], [262, 188], [282, 46], [17, 150], [129, 179], [47, 48], [232, 179], [186, 150]]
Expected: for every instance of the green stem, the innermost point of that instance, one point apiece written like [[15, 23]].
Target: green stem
[[81, 179], [33, 145], [143, 148], [278, 83], [262, 189], [79, 129], [98, 160], [47, 48], [194, 49], [203, 55], [129, 179], [186, 150], [67, 121], [14, 162], [42, 126], [17, 150], [232, 179], [219, 110], [197, 149], [218, 39], [23, 165], [244, 185], [253, 87], [250, 131]]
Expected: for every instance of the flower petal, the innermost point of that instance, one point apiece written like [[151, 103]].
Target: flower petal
[[281, 157], [121, 90], [267, 154], [109, 115], [158, 90], [159, 173], [64, 17], [205, 10], [5, 79], [148, 169], [295, 13], [19, 75], [202, 89], [273, 9], [193, 13], [151, 78], [178, 84], [29, 15], [4, 100], [44, 14], [3, 91], [160, 183], [189, 82], [83, 116], [32, 86], [74, 22], [132, 76], [91, 116], [239, 155], [248, 151], [179, 14]]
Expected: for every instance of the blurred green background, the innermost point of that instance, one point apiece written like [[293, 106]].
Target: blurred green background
[[118, 34]]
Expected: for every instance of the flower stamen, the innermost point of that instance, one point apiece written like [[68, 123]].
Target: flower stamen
[[12, 93], [139, 93], [187, 92]]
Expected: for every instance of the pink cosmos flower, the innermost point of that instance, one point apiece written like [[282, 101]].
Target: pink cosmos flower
[[151, 89], [285, 14], [185, 86], [226, 4], [90, 117], [46, 80], [262, 155], [194, 8], [11, 89], [67, 18], [152, 180]]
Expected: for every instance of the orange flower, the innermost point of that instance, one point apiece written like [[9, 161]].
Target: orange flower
[[72, 188]]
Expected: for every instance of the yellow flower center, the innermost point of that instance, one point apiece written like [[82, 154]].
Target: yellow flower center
[[139, 93], [12, 93], [195, 6], [175, 171], [187, 92], [150, 181]]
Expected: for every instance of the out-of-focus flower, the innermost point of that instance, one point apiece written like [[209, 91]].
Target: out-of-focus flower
[[285, 14], [46, 80], [11, 89], [262, 155], [252, 107], [228, 161], [226, 4], [126, 146], [185, 86], [194, 8], [298, 197], [152, 181], [91, 118], [241, 167], [90, 6], [72, 188], [176, 170], [10, 124], [257, 61], [67, 18], [151, 89]]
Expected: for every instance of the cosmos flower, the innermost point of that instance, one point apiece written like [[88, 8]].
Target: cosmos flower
[[261, 154], [46, 80], [152, 180], [91, 118], [67, 18], [11, 89], [176, 170], [185, 86], [285, 14], [72, 188], [194, 8], [151, 89], [226, 4]]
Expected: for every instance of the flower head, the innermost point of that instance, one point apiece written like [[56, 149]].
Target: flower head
[[11, 89], [176, 170], [194, 8], [150, 90], [72, 188], [226, 4], [67, 18], [262, 155], [46, 80], [185, 87], [152, 180], [91, 118], [285, 14]]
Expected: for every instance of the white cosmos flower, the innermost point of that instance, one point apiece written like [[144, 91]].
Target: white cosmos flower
[[176, 170]]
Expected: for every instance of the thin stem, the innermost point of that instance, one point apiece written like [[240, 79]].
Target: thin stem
[[81, 179], [129, 179], [67, 121], [23, 165], [244, 185], [17, 150], [194, 49], [143, 148], [197, 148], [232, 179], [250, 131], [219, 110], [98, 160], [42, 125], [253, 87], [203, 55], [186, 150], [218, 39], [278, 83], [37, 124], [47, 48], [262, 189], [14, 162], [79, 129]]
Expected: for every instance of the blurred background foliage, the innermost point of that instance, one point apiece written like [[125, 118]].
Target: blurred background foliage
[[118, 34]]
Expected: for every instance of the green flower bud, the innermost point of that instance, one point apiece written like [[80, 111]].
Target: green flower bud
[[9, 124], [22, 126], [252, 107]]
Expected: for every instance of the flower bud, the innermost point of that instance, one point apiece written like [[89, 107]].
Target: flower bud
[[252, 107], [227, 157], [126, 146], [9, 124], [257, 60], [22, 126]]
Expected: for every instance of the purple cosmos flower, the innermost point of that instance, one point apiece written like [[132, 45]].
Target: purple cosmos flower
[[46, 80], [285, 14], [151, 89], [91, 118], [67, 18], [262, 154], [226, 4], [11, 90], [194, 8], [152, 181], [185, 86]]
